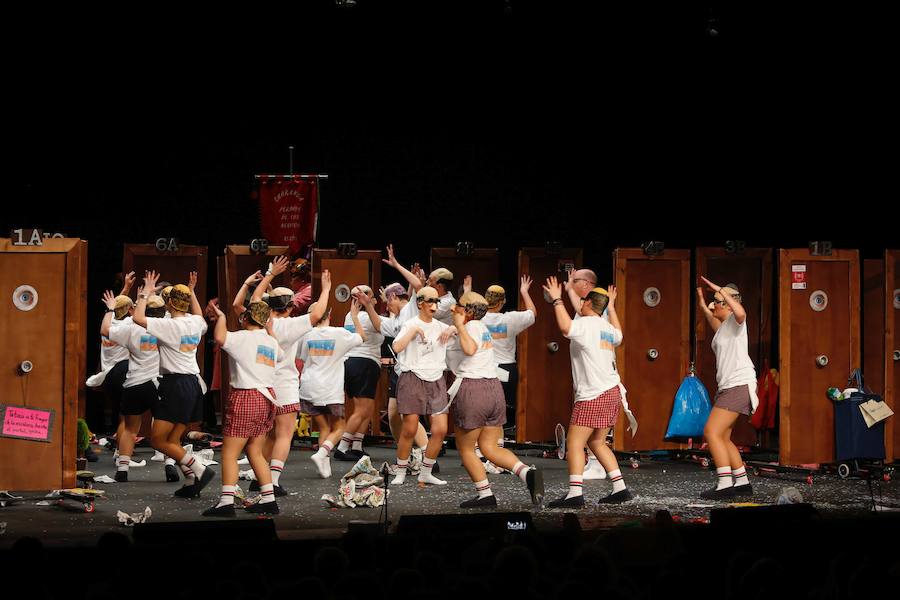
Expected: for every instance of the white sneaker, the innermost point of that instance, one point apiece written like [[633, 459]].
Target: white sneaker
[[323, 465], [247, 475], [423, 478], [244, 461], [490, 467], [594, 470], [158, 456]]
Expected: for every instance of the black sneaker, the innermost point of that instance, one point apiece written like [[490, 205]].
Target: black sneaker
[[714, 494], [219, 511], [534, 479], [208, 475], [172, 473], [616, 497], [185, 491], [486, 502], [357, 454], [573, 502], [742, 491], [345, 456], [280, 491], [90, 455], [264, 508], [435, 469], [122, 476], [254, 486]]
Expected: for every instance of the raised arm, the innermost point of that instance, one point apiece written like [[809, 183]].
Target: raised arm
[[368, 305], [710, 319], [276, 268], [110, 301], [221, 330], [315, 315], [237, 306], [563, 320], [392, 261], [127, 283], [574, 298], [354, 316], [140, 316], [524, 286], [196, 309], [740, 315], [613, 293]]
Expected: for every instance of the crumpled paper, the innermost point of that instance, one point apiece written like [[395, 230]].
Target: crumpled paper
[[789, 495], [360, 486], [129, 520]]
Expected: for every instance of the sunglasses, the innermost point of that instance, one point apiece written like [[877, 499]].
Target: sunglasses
[[429, 300]]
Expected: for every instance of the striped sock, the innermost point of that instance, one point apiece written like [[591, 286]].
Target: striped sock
[[346, 440], [483, 488], [616, 478], [266, 493], [325, 448], [276, 466], [521, 469], [189, 477], [724, 476], [400, 470], [358, 440], [227, 497], [478, 453], [193, 464], [740, 476], [575, 485], [427, 465], [122, 464], [500, 442]]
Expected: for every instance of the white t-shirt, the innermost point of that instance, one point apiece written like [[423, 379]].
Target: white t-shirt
[[323, 352], [593, 356], [178, 340], [428, 359], [288, 330], [143, 360], [371, 348], [733, 365], [252, 356], [480, 365], [390, 327], [444, 314], [504, 328], [110, 351]]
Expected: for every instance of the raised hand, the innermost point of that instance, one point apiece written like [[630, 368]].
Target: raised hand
[[192, 280], [150, 279], [712, 286], [391, 260], [354, 306], [553, 288], [525, 284], [613, 293], [279, 265], [467, 284], [128, 282], [253, 279], [326, 279], [569, 281], [109, 299], [362, 298]]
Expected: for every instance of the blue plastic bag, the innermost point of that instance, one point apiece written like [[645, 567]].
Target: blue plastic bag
[[690, 411]]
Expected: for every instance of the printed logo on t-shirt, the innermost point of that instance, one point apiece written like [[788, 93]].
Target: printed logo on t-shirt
[[189, 343], [106, 342], [607, 341], [320, 347], [148, 343], [487, 342], [498, 332], [265, 355], [350, 327]]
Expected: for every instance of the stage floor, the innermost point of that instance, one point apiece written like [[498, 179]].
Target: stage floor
[[674, 486]]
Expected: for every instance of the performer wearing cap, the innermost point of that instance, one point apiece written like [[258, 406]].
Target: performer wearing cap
[[288, 331], [478, 404], [250, 410], [139, 388], [421, 348], [396, 298], [322, 382], [736, 393], [180, 389], [598, 388], [362, 370], [301, 283], [440, 280]]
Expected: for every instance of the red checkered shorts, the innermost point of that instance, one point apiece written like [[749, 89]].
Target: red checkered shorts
[[248, 414], [286, 410], [599, 413]]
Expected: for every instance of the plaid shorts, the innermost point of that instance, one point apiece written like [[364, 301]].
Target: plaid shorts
[[288, 409], [599, 413], [313, 410], [248, 414]]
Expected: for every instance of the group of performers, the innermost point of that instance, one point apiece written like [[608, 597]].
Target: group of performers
[[454, 359]]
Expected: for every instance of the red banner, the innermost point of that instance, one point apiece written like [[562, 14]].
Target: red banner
[[287, 211]]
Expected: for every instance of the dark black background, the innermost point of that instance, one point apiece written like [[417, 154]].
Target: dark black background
[[505, 124]]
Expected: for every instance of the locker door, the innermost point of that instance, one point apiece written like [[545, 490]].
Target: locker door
[[892, 348], [483, 265], [544, 394], [42, 324], [819, 313], [653, 306]]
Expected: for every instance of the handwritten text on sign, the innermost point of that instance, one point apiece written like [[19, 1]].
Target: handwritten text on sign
[[35, 424]]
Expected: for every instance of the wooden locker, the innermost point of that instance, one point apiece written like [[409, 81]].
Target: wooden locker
[[483, 265], [50, 334], [347, 272], [653, 307], [819, 316], [544, 394], [892, 349], [751, 270]]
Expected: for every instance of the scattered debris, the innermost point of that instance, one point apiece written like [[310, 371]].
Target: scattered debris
[[129, 520]]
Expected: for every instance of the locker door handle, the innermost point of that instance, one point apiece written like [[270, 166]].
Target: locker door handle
[[652, 354], [896, 355], [25, 367], [821, 361]]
